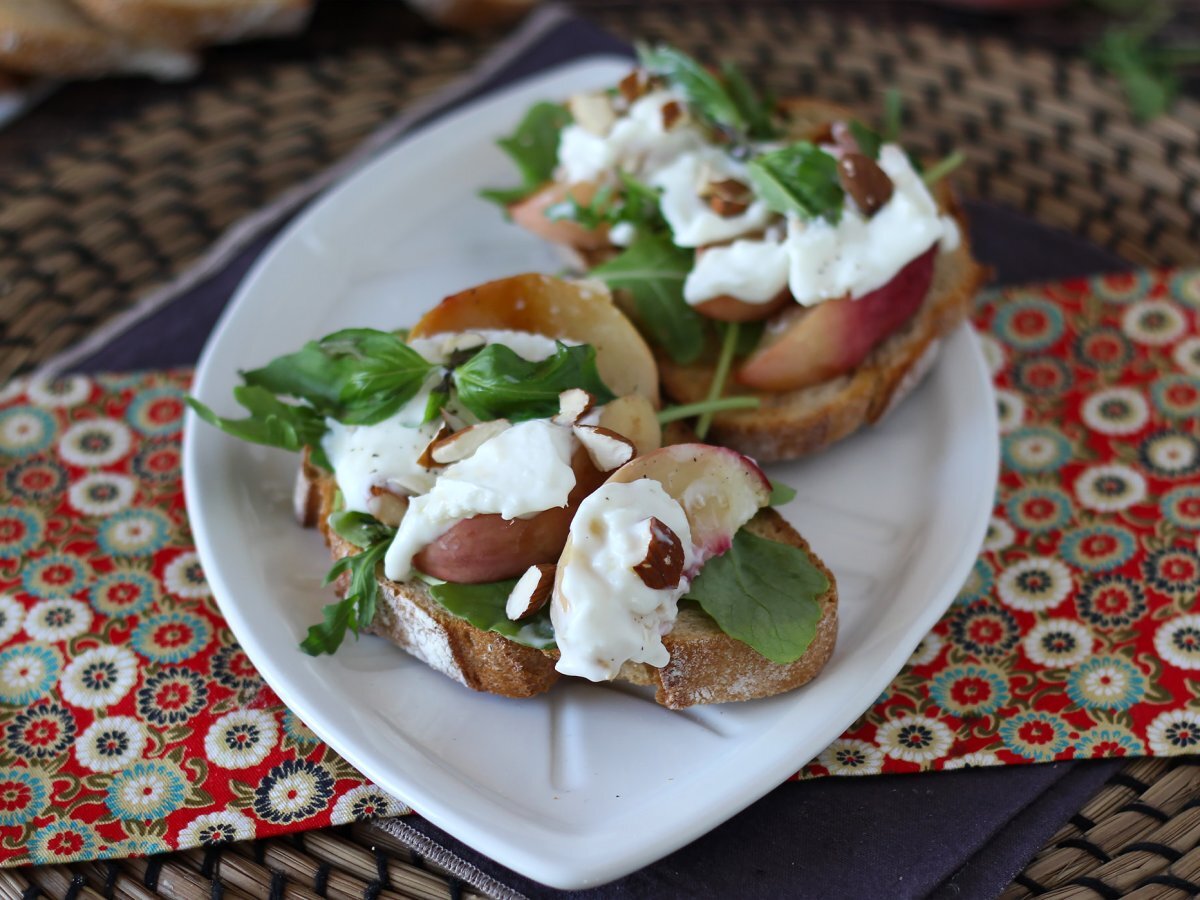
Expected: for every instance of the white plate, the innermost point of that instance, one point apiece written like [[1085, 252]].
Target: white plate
[[585, 783]]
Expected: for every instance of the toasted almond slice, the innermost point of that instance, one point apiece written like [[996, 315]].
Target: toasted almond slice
[[456, 423], [531, 592], [573, 404], [467, 340], [592, 112], [606, 449], [672, 113], [426, 460], [663, 564], [387, 507], [461, 444], [634, 85]]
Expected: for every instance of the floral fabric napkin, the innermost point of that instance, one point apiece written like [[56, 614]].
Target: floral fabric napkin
[[132, 723]]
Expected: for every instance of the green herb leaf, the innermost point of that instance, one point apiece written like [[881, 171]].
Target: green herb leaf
[[271, 422], [359, 376], [755, 109], [357, 609], [497, 383], [720, 375], [1149, 84], [868, 139], [893, 115], [943, 167], [764, 594], [483, 606], [781, 494], [360, 529], [534, 149], [653, 270], [637, 204], [799, 179], [704, 91]]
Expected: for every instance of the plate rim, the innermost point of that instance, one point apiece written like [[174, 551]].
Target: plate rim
[[556, 867]]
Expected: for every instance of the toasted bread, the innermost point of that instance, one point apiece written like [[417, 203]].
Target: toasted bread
[[707, 666], [796, 423], [195, 23]]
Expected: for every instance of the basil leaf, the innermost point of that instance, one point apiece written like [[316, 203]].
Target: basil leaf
[[704, 91], [755, 108], [868, 139], [800, 179], [357, 609], [271, 422], [781, 494], [497, 383], [534, 149], [360, 529], [763, 593], [483, 606], [653, 270], [359, 376]]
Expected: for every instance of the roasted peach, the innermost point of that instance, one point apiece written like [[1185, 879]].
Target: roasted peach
[[572, 310], [530, 214], [490, 548], [833, 337]]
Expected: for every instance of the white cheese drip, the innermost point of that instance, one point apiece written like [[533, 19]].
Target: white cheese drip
[[603, 614], [819, 261], [693, 222], [384, 455], [520, 472]]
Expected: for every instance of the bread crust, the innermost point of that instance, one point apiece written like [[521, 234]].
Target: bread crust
[[707, 666]]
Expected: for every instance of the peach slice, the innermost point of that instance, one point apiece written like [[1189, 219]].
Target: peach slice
[[833, 337], [719, 489], [491, 548], [530, 214], [571, 310], [633, 417], [728, 308]]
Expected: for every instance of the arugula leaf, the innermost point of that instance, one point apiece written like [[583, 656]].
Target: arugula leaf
[[868, 140], [755, 108], [271, 422], [799, 179], [497, 383], [763, 593], [358, 376], [653, 270], [483, 606], [637, 204], [781, 494], [357, 609], [1149, 83], [893, 115], [360, 529], [534, 149], [704, 91]]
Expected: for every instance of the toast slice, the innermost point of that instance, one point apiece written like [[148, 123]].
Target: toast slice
[[790, 424], [195, 23], [707, 666], [52, 37]]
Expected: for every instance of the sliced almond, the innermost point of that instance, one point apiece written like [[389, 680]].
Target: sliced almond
[[426, 460], [457, 343], [531, 592], [863, 180], [456, 423], [592, 112], [672, 113], [634, 85], [573, 404], [728, 197], [663, 564], [461, 444], [387, 507], [605, 448]]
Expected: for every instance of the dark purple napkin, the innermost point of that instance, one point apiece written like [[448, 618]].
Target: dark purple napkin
[[949, 834]]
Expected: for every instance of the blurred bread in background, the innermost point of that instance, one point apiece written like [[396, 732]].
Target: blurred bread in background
[[93, 38]]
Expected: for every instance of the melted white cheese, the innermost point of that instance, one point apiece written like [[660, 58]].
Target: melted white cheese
[[693, 222], [603, 614], [520, 472], [819, 261], [637, 143], [384, 455]]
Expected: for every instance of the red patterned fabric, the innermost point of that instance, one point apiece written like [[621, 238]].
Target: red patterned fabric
[[132, 723]]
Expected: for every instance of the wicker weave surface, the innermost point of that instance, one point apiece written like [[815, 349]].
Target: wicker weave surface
[[87, 231]]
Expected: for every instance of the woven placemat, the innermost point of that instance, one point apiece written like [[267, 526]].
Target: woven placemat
[[89, 230]]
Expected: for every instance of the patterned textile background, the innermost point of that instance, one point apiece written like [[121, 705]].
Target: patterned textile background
[[1077, 634], [132, 723]]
